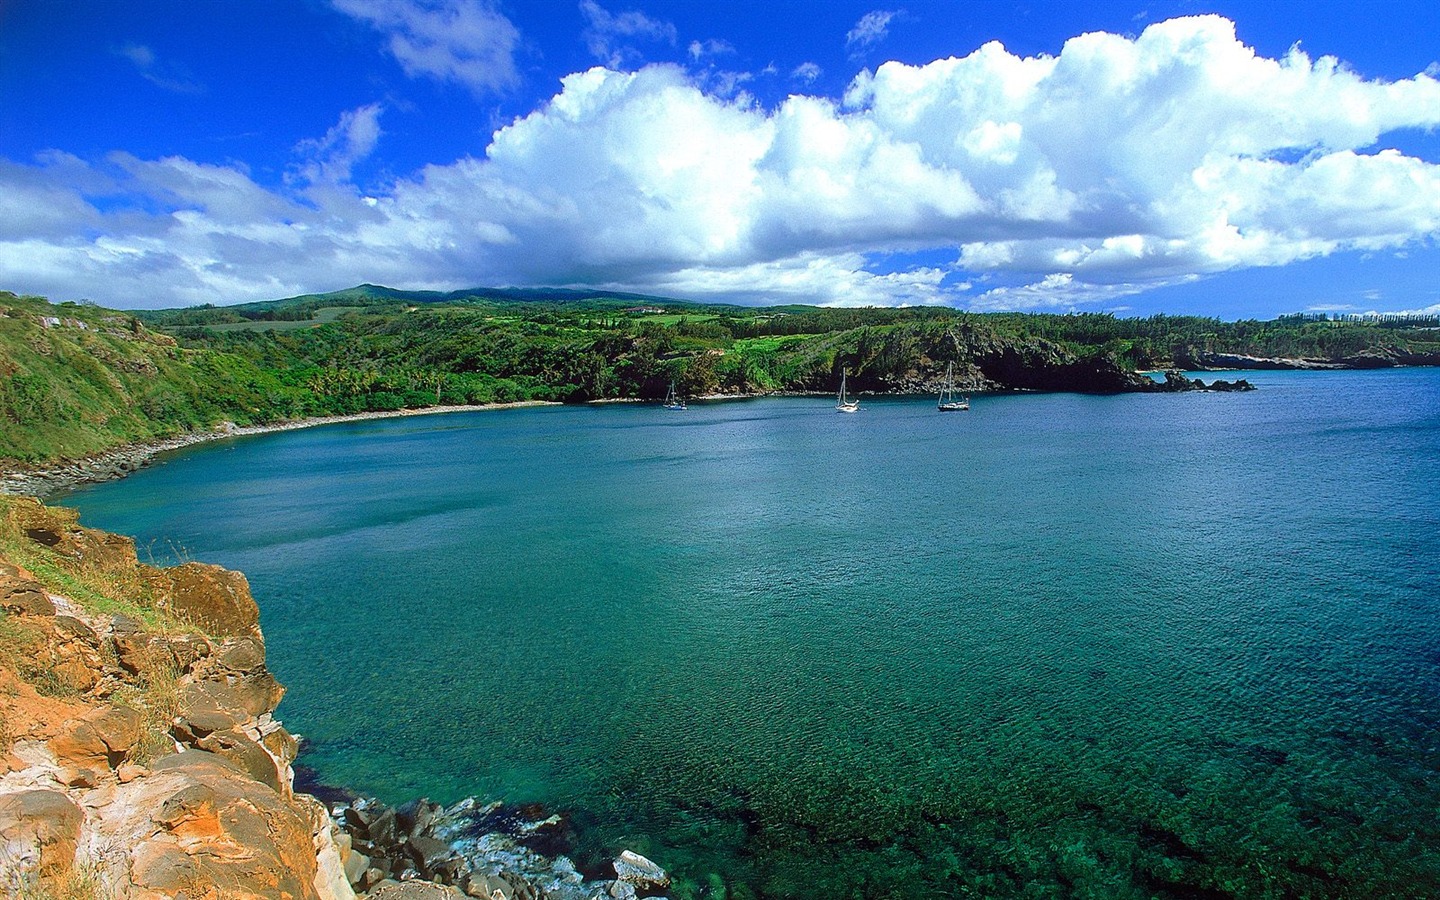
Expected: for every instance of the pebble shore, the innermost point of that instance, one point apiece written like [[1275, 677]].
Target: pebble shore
[[117, 463]]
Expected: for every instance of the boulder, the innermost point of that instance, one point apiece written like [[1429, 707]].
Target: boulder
[[98, 740], [212, 598], [414, 890], [24, 597], [429, 853], [282, 745], [200, 823], [490, 887], [246, 696], [138, 651], [237, 747], [39, 831], [383, 830], [356, 865], [242, 655], [195, 723], [59, 529], [622, 890], [78, 661], [415, 817], [636, 870]]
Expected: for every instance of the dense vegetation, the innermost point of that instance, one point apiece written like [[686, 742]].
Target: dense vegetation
[[76, 378]]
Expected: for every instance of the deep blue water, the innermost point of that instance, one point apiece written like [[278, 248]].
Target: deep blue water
[[1133, 646]]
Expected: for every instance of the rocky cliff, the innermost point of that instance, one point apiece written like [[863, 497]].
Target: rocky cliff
[[140, 758], [138, 754]]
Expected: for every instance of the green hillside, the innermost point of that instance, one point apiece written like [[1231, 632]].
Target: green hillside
[[76, 379]]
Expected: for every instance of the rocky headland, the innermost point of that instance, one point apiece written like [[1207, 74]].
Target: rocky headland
[[1374, 358], [140, 757]]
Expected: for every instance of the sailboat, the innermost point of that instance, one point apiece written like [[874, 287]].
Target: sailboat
[[672, 399], [841, 403], [948, 402]]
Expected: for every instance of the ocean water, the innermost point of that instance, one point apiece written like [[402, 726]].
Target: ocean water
[[1058, 646]]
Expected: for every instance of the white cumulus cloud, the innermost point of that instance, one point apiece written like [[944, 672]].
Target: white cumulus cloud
[[1119, 165]]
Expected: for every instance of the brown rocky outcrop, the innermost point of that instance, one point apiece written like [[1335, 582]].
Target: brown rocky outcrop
[[209, 597], [59, 529], [23, 596], [99, 740], [146, 760], [40, 829], [203, 827], [80, 787]]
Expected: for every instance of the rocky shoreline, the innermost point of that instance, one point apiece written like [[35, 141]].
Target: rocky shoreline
[[1371, 359], [48, 480], [490, 850], [140, 762]]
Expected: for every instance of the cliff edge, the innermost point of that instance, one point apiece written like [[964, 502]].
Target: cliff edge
[[139, 757]]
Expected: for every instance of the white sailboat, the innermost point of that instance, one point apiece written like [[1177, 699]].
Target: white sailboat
[[673, 400], [948, 401], [841, 403]]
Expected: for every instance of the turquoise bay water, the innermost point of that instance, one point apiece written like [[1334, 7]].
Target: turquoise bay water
[[1136, 646]]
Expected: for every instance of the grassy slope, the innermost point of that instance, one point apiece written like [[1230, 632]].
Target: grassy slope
[[98, 379]]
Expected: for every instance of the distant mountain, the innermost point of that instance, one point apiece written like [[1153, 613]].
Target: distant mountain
[[366, 294]]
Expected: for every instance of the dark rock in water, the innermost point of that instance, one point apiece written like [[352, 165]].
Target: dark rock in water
[[429, 853], [622, 890], [488, 850], [414, 817], [1175, 381], [384, 830], [356, 821]]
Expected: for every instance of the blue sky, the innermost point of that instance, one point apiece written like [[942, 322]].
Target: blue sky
[[1237, 159]]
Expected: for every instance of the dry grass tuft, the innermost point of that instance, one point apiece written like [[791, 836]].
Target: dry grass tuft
[[79, 882], [20, 646], [156, 695], [106, 585]]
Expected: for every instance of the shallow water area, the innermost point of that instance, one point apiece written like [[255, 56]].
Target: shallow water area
[[1132, 646]]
